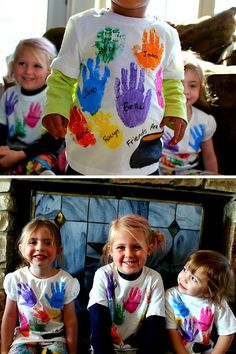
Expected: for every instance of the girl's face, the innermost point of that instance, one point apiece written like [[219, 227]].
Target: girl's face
[[130, 8], [40, 250], [192, 86], [193, 284], [129, 253], [31, 68]]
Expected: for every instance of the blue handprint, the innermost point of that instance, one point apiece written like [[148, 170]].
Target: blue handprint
[[166, 139], [10, 103], [93, 87], [27, 293], [179, 305], [57, 298], [197, 133], [188, 333], [131, 104]]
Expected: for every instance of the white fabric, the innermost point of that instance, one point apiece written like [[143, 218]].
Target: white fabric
[[40, 303], [196, 315], [135, 299], [185, 155], [112, 139], [23, 117]]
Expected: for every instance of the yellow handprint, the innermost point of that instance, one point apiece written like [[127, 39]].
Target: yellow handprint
[[149, 56], [110, 134]]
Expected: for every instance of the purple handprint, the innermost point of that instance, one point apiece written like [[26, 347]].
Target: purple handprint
[[27, 293], [206, 319], [57, 298], [10, 103], [111, 285], [133, 300], [131, 104], [197, 133], [93, 87], [33, 115], [166, 137], [189, 333]]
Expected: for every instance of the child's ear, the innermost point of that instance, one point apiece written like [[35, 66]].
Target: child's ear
[[21, 251], [150, 249], [59, 250]]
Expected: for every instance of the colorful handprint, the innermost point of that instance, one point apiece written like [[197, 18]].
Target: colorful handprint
[[179, 305], [133, 301], [33, 115], [189, 332], [79, 129], [10, 103], [206, 319], [109, 43], [24, 326], [149, 56], [90, 97], [158, 84], [57, 298], [197, 133], [27, 293], [42, 315], [131, 103], [111, 135]]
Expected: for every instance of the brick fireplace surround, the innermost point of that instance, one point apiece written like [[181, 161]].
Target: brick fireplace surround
[[217, 194]]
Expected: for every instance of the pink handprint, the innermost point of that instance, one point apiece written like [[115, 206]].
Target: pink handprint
[[206, 319], [24, 326], [33, 115], [133, 300], [158, 83]]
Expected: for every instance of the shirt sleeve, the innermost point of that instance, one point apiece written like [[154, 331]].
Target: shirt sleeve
[[170, 316], [175, 101], [210, 128], [59, 94]]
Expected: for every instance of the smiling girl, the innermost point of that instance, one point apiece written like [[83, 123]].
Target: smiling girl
[[126, 303], [40, 297]]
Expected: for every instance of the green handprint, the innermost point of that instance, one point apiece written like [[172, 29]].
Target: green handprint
[[109, 43]]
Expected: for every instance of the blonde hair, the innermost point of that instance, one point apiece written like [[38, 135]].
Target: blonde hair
[[218, 270], [192, 62], [41, 43], [131, 223], [35, 225]]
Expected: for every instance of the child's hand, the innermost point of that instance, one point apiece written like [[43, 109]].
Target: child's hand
[[178, 125], [9, 158], [56, 125]]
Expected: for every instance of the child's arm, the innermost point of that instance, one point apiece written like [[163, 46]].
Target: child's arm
[[8, 325], [209, 156], [59, 102], [176, 342], [223, 343], [71, 327], [9, 158], [175, 108]]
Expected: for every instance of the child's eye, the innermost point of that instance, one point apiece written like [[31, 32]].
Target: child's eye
[[193, 279], [32, 242], [137, 247], [48, 242], [120, 248], [184, 269], [38, 66], [21, 63]]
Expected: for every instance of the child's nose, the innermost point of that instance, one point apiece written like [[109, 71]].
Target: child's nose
[[128, 252]]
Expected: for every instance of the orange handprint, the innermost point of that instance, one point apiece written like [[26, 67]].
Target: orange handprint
[[41, 314], [149, 56], [79, 128], [110, 134]]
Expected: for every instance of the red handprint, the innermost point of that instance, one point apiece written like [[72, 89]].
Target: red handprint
[[133, 300], [115, 335], [78, 126], [24, 326], [33, 115], [42, 315], [206, 319]]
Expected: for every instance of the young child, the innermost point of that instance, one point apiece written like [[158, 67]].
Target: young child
[[183, 157], [118, 73], [126, 302], [23, 148], [39, 315], [198, 302]]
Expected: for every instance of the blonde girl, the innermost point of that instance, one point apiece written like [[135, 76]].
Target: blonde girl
[[197, 141], [126, 302], [21, 109], [198, 302], [39, 315]]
